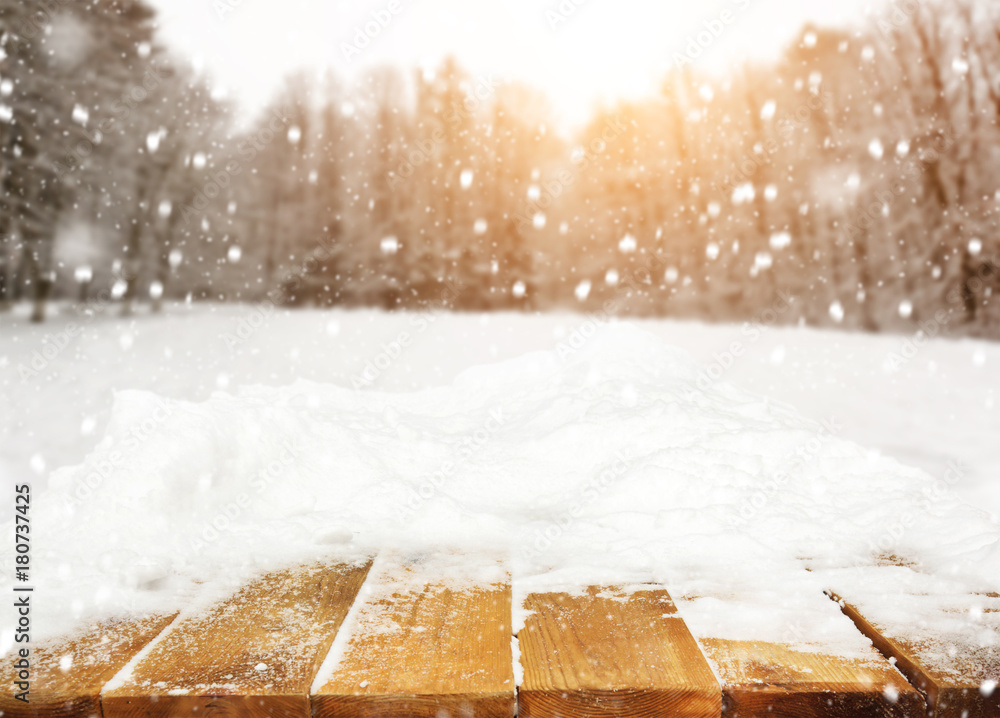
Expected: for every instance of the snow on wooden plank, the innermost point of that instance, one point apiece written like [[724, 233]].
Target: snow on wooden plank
[[418, 644], [944, 639], [764, 679], [66, 675], [252, 654], [612, 653], [780, 650]]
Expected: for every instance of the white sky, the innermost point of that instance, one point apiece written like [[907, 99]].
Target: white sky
[[605, 49]]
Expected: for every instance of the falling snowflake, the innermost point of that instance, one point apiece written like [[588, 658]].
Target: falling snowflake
[[744, 193], [389, 245], [780, 240], [582, 290], [80, 114], [837, 312]]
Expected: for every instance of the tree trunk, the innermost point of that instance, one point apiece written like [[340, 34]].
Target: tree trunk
[[37, 254], [130, 268]]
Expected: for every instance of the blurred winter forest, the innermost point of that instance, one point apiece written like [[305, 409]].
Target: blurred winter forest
[[854, 182]]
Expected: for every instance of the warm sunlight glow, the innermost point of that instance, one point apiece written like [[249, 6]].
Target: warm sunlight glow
[[579, 52]]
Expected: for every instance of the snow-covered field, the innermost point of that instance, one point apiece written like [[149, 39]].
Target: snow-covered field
[[932, 405], [215, 440]]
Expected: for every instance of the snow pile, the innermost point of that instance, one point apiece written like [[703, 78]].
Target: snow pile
[[612, 462]]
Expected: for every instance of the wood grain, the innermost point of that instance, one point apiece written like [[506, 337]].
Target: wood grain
[[767, 679], [67, 674], [953, 679], [252, 655], [608, 653], [425, 650]]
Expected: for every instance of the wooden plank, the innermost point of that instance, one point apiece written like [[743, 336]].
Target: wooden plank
[[955, 662], [253, 654], [764, 679], [781, 651], [612, 653], [67, 674], [424, 647]]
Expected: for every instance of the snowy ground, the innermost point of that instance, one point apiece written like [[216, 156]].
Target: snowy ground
[[204, 446], [931, 405]]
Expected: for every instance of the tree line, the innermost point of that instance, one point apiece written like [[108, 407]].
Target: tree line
[[858, 175]]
